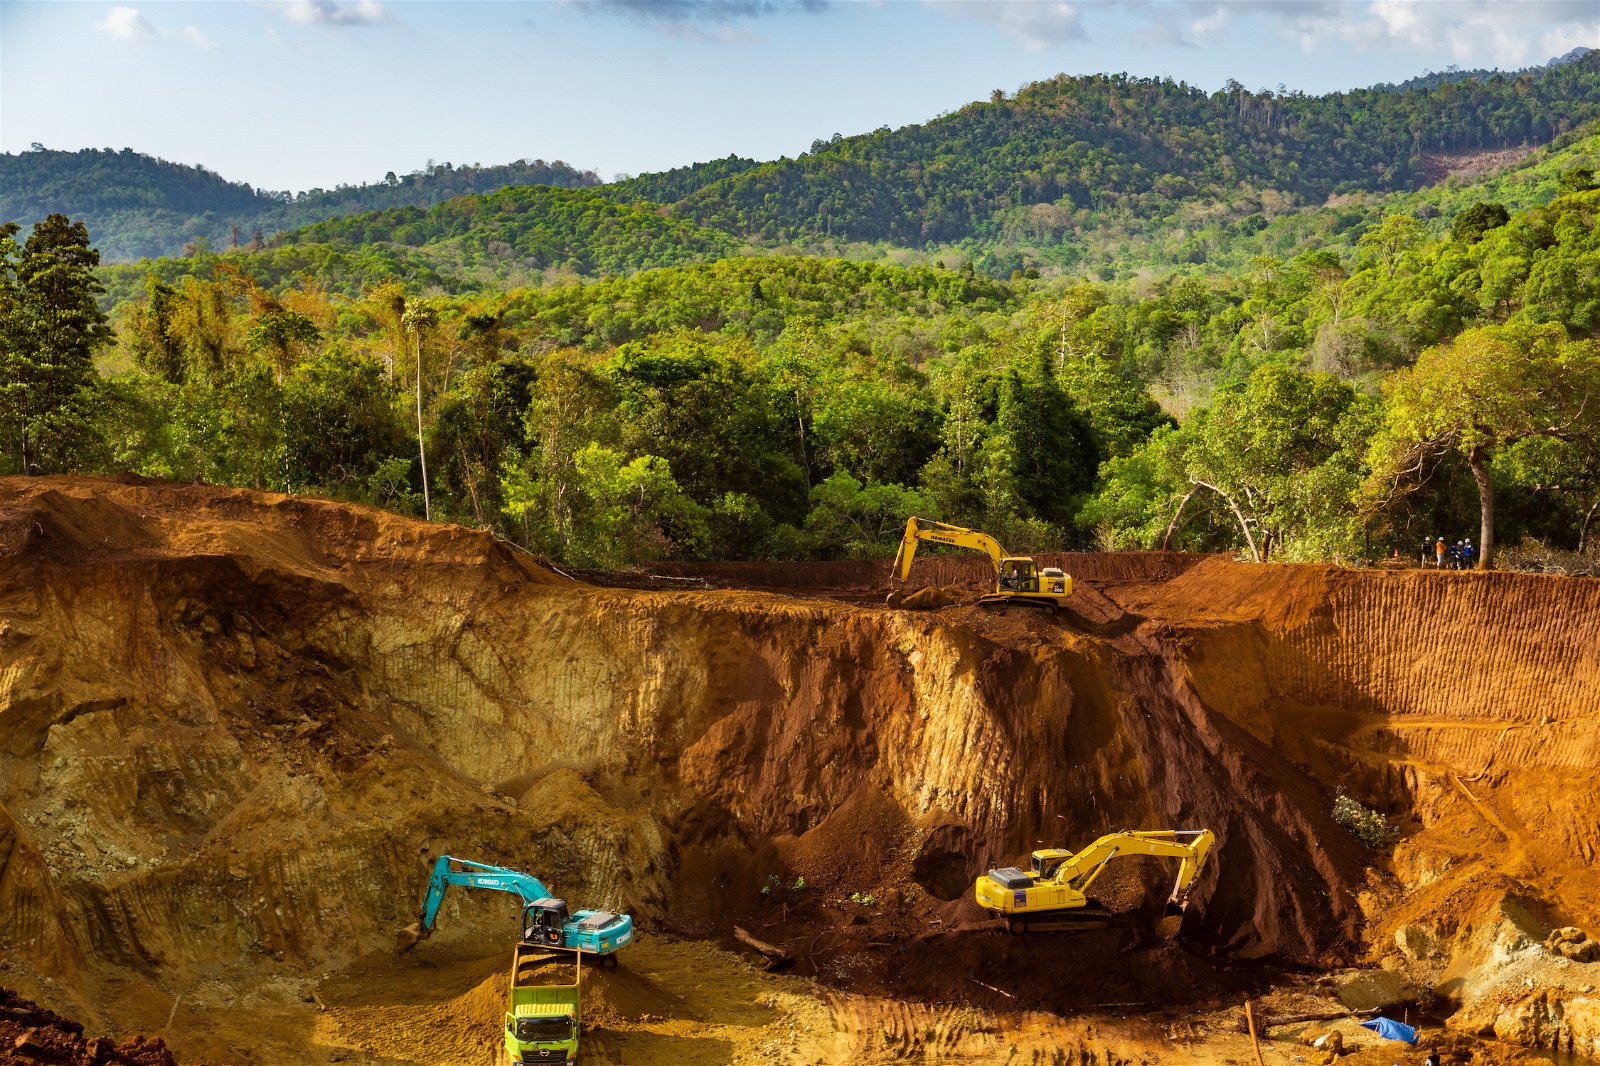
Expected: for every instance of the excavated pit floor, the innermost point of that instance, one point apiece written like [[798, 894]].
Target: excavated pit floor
[[235, 729]]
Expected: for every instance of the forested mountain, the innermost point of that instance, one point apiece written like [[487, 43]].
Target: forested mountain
[[138, 205], [1227, 233], [1434, 78], [538, 235], [1111, 142], [520, 235], [1012, 182], [1239, 339], [531, 229]]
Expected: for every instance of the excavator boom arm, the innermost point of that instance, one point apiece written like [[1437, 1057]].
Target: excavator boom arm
[[475, 875], [1083, 867], [920, 529]]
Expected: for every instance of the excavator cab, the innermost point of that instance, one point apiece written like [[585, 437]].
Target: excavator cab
[[1044, 864], [1019, 574], [542, 921]]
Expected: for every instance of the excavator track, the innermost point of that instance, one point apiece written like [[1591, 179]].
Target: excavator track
[[996, 599], [1076, 920]]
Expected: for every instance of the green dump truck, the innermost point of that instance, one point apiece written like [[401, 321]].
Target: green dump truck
[[542, 1013]]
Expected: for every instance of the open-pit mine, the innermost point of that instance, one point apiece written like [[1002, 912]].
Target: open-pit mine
[[237, 729]]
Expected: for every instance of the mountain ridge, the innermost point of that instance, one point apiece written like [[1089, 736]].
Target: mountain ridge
[[1013, 182]]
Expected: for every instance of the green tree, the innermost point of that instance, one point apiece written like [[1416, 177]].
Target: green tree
[[696, 401], [1578, 179], [1280, 454], [1470, 225], [50, 327], [341, 425], [281, 337], [633, 510], [1392, 238], [420, 318], [876, 429], [152, 335], [1043, 454], [1490, 388], [477, 422], [570, 407], [1566, 472], [851, 520], [1121, 415]]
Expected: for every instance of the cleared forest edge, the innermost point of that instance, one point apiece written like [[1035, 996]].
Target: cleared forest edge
[[235, 727]]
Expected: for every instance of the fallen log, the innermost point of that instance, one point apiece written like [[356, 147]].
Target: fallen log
[[776, 956]]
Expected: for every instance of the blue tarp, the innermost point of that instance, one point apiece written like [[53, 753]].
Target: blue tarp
[[1390, 1029]]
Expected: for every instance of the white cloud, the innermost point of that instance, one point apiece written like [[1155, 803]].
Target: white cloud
[[126, 24], [1037, 25], [701, 20], [192, 36], [1186, 25], [1209, 27], [1477, 33], [331, 13], [1488, 33]]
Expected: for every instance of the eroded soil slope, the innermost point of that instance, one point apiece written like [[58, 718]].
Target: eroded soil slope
[[236, 727]]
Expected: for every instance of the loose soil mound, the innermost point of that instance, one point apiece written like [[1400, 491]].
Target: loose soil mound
[[235, 729], [30, 1035]]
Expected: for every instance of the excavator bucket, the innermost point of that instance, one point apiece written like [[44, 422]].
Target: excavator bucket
[[1171, 921], [407, 938]]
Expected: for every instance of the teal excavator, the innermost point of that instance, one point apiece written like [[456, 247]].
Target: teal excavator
[[545, 920]]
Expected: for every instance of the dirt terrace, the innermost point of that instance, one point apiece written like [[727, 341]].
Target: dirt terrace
[[236, 727]]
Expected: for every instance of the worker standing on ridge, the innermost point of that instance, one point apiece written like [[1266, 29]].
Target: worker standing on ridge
[[1467, 555], [1438, 554], [1427, 550]]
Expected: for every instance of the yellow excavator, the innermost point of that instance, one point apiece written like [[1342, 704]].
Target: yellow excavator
[[1052, 893], [1018, 579]]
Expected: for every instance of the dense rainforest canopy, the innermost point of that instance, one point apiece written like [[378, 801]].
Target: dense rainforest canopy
[[1103, 312]]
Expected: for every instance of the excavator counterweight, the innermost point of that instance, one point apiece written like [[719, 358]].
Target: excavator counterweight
[[1053, 891]]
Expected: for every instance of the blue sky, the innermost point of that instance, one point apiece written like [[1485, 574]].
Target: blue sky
[[312, 93]]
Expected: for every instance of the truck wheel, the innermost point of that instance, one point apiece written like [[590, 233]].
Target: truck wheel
[[609, 962], [1016, 927]]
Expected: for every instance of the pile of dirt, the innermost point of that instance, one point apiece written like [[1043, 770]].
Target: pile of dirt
[[236, 728], [31, 1035]]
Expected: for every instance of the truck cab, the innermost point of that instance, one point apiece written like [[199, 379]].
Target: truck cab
[[540, 1032]]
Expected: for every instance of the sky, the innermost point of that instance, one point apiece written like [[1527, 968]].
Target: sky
[[301, 94]]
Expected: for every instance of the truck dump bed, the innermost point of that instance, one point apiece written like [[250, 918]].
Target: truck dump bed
[[533, 966], [542, 1019]]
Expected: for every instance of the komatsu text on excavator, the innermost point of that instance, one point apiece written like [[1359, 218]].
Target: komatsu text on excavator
[[545, 920], [1052, 892], [1018, 579]]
